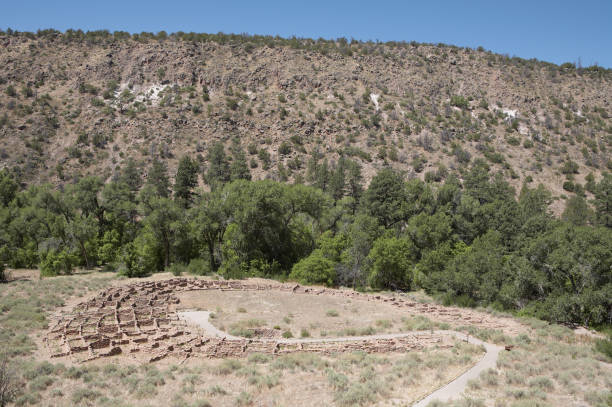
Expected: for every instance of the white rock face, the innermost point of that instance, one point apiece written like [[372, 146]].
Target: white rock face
[[510, 113], [142, 93], [374, 98]]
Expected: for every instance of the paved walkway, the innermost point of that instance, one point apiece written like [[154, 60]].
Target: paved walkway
[[200, 318], [448, 392], [455, 388]]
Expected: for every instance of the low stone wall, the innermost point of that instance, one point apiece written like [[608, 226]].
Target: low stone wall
[[137, 319]]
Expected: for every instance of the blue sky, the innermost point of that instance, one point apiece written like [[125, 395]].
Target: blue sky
[[556, 31]]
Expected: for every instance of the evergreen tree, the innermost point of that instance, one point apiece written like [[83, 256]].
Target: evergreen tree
[[386, 198], [576, 211], [162, 219], [603, 201], [8, 187], [322, 176], [239, 168], [337, 180], [186, 179], [131, 176], [218, 166], [210, 218], [158, 178], [354, 181]]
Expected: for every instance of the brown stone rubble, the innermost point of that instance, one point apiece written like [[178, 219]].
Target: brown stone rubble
[[139, 319]]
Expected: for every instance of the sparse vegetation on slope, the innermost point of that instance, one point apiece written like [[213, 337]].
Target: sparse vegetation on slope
[[80, 103]]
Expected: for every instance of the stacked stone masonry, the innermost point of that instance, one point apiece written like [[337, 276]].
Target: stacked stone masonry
[[139, 319]]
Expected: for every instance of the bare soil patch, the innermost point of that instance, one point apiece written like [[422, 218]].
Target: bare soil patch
[[302, 315]]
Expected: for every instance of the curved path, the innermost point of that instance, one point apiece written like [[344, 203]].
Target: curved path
[[454, 389], [448, 392], [200, 318]]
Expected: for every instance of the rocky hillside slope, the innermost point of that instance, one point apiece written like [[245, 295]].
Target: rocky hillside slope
[[76, 103]]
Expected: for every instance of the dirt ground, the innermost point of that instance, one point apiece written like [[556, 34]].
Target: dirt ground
[[302, 315], [548, 366]]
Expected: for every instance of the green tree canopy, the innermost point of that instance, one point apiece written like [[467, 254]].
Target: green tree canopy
[[392, 260], [386, 198]]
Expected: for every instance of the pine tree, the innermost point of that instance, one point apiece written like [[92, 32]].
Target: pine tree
[[603, 201], [239, 168], [131, 175], [186, 179], [337, 180], [158, 178], [354, 183], [218, 166]]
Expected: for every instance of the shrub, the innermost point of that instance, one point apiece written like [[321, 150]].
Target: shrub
[[459, 101], [88, 88], [541, 382], [27, 91], [85, 394], [284, 148], [384, 323], [264, 157], [391, 260], [3, 274], [54, 263], [513, 141], [244, 399], [97, 102], [198, 267], [133, 263], [489, 377], [227, 366], [283, 113], [569, 167], [10, 91], [604, 346], [8, 383], [314, 269], [231, 103], [177, 269]]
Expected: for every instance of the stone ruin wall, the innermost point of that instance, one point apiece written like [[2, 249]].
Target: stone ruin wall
[[138, 320]]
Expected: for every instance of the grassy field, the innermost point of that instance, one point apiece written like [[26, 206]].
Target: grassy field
[[302, 316], [549, 365]]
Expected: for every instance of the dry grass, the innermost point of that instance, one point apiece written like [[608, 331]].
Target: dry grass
[[318, 316], [548, 366]]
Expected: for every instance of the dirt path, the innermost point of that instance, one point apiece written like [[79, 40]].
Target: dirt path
[[200, 318], [455, 388], [450, 391]]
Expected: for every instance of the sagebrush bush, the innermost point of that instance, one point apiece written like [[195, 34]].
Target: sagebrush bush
[[605, 347]]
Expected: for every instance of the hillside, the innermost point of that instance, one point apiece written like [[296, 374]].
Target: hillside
[[78, 103]]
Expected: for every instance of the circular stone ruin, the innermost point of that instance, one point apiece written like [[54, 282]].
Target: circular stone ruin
[[140, 319]]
